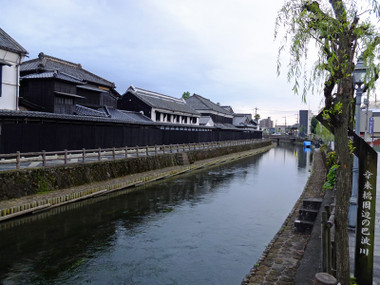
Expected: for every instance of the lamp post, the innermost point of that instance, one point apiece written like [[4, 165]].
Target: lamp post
[[358, 80]]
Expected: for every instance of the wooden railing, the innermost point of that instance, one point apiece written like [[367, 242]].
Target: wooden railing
[[45, 158]]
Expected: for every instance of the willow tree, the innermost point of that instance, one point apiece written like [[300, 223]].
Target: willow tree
[[338, 32]]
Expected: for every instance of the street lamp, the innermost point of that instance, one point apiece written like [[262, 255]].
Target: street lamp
[[358, 80]]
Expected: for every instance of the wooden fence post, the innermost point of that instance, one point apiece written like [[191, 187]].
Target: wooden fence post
[[147, 151], [113, 153], [83, 155], [137, 150], [65, 157], [99, 154], [18, 160], [43, 158], [126, 152], [323, 241]]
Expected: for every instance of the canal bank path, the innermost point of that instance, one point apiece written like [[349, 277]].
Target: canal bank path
[[13, 208], [282, 257], [294, 258]]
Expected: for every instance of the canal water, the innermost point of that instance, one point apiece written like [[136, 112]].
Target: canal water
[[206, 227]]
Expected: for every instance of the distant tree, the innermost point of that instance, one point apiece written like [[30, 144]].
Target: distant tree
[[186, 95], [323, 133], [257, 117], [337, 30], [314, 123]]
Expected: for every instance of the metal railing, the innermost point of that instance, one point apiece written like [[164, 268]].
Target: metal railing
[[47, 158]]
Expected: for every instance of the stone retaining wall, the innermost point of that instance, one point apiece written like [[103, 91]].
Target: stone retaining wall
[[19, 183]]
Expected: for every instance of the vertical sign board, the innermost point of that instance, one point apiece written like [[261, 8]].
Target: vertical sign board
[[365, 229], [370, 126]]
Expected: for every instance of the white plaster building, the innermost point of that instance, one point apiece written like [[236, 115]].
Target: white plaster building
[[11, 56], [365, 117], [158, 107]]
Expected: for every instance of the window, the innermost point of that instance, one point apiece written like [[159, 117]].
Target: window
[[64, 100], [158, 115]]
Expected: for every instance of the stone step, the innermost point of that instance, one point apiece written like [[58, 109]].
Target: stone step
[[312, 203], [307, 214], [303, 226], [182, 158]]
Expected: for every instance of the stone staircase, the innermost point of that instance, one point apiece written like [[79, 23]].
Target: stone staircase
[[182, 158], [307, 214]]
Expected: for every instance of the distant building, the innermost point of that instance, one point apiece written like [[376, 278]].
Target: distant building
[[220, 116], [266, 124], [244, 121], [305, 122], [365, 118], [281, 129], [228, 108], [158, 107], [11, 56]]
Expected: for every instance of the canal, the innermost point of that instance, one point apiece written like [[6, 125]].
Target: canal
[[205, 227]]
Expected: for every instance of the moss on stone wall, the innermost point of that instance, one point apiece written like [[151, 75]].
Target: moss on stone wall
[[18, 183]]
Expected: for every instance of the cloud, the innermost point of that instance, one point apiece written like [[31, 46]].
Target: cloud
[[222, 50]]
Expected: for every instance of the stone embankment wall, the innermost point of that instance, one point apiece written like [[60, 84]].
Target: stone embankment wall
[[19, 183]]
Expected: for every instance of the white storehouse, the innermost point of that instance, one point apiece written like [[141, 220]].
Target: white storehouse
[[11, 56]]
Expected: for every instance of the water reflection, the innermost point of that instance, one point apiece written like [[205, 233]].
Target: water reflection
[[206, 227]]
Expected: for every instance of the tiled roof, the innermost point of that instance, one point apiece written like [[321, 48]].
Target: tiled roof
[[127, 116], [8, 43], [88, 118], [228, 109], [200, 103], [112, 113], [160, 101], [49, 63], [203, 120], [225, 126], [240, 120], [90, 88], [85, 111], [52, 74]]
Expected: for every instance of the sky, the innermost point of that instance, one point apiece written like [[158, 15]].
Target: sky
[[220, 49]]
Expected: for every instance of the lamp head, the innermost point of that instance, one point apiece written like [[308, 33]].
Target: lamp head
[[359, 72]]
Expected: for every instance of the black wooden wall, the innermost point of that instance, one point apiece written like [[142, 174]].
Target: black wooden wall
[[37, 134]]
